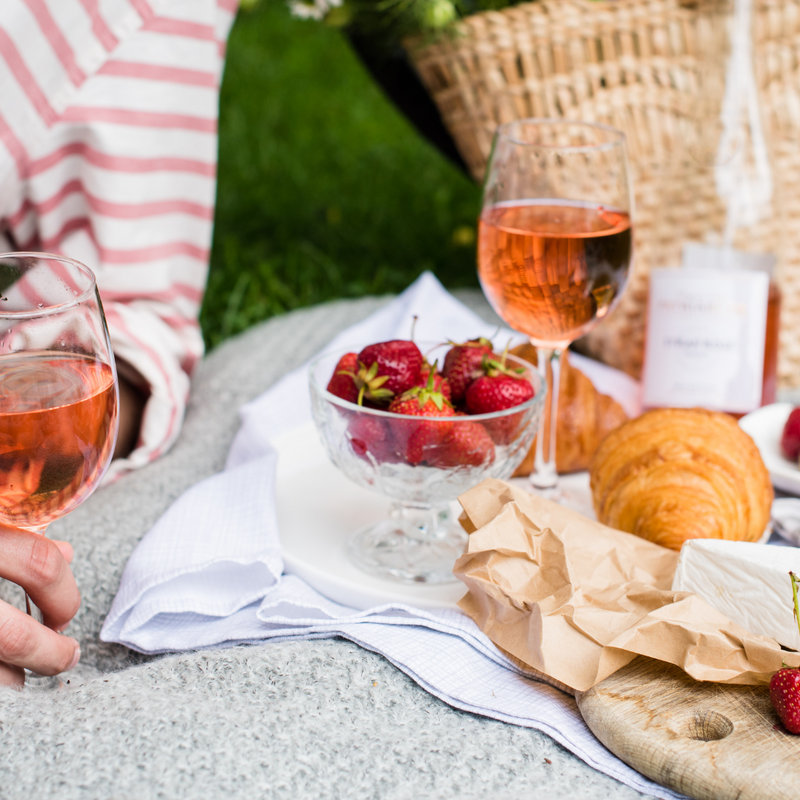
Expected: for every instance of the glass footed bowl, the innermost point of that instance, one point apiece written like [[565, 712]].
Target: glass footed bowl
[[421, 539]]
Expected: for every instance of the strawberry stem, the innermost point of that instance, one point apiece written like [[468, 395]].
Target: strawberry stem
[[493, 368], [795, 583], [431, 376]]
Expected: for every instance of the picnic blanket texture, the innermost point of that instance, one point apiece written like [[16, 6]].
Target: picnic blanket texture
[[311, 719]]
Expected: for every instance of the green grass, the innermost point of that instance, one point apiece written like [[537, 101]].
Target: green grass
[[325, 191]]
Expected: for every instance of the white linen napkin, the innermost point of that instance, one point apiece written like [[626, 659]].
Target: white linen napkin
[[210, 571]]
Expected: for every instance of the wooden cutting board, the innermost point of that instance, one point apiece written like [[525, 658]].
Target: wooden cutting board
[[707, 740]]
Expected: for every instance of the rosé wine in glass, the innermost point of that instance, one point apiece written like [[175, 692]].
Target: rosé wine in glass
[[551, 268], [58, 410]]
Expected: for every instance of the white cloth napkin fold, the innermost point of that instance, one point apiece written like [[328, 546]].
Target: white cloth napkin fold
[[210, 571]]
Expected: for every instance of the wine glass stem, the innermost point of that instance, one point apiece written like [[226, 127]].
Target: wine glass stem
[[34, 679], [545, 476], [33, 610]]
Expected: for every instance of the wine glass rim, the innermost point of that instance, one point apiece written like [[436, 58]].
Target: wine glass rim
[[619, 138], [57, 307]]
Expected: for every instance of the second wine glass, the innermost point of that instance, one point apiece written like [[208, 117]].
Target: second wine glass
[[58, 394], [555, 243]]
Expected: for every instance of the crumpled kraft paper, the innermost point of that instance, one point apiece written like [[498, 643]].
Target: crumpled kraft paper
[[577, 600]]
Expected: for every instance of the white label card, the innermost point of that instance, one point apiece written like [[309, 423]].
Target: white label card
[[707, 256], [705, 339]]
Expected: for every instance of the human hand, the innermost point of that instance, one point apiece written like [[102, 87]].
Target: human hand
[[41, 567]]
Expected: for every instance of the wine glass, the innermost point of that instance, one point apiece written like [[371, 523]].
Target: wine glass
[[555, 243], [58, 394]]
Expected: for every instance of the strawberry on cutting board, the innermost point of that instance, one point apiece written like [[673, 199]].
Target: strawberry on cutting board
[[784, 688]]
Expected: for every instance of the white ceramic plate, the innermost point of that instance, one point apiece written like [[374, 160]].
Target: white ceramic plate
[[318, 510], [765, 425]]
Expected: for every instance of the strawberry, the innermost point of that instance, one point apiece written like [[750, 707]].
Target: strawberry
[[463, 363], [497, 392], [790, 439], [378, 373], [396, 364], [784, 692], [371, 389], [500, 388], [342, 382], [416, 439], [354, 382], [784, 688], [422, 401], [466, 444], [425, 443], [440, 384], [371, 436]]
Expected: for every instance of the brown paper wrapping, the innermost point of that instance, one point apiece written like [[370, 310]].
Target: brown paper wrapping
[[576, 600]]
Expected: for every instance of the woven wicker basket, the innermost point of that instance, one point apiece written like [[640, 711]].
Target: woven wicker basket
[[641, 66]]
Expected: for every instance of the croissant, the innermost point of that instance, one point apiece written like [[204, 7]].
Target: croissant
[[676, 474], [585, 417]]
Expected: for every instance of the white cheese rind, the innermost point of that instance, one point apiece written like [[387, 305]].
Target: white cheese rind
[[749, 583]]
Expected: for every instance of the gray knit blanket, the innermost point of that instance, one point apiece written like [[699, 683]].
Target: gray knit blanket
[[318, 719]]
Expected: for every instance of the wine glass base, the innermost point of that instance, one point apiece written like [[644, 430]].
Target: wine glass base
[[37, 682], [573, 497], [552, 492], [398, 550]]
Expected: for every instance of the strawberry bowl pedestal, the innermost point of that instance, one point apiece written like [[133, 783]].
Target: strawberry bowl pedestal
[[422, 463]]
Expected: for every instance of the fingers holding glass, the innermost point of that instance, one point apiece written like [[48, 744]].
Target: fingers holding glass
[[26, 643], [11, 676], [40, 567]]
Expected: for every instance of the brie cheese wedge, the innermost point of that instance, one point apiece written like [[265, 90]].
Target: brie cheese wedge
[[749, 583]]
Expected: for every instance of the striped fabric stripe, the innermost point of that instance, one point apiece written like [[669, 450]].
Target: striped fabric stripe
[[168, 296], [14, 149], [158, 72], [120, 163], [144, 119], [179, 27], [121, 210], [25, 78], [99, 27], [108, 131], [142, 7], [57, 41]]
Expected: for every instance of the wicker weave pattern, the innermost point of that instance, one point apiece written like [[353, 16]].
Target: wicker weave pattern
[[655, 69]]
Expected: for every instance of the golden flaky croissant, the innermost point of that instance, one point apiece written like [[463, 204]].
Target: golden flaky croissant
[[675, 474], [585, 417]]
